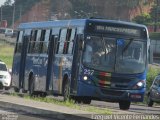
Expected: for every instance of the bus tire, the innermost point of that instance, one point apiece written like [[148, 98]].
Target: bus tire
[[86, 101], [66, 91], [16, 89], [31, 86], [43, 94], [78, 100], [83, 100], [124, 105], [149, 101], [24, 91]]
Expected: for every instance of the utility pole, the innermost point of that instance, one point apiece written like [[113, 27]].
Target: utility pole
[[13, 15], [1, 14], [20, 13], [156, 16]]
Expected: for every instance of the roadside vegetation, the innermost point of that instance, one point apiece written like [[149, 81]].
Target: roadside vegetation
[[6, 53], [68, 103]]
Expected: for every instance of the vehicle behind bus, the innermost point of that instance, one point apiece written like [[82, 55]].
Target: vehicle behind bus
[[83, 60]]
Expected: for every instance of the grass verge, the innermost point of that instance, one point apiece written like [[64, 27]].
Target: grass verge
[[68, 103], [6, 53]]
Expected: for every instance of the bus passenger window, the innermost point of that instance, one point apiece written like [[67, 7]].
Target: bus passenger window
[[32, 41], [62, 40], [67, 41], [68, 44], [72, 37], [46, 41], [19, 42], [37, 42], [41, 42]]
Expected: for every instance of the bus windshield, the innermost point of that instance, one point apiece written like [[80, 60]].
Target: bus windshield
[[115, 54]]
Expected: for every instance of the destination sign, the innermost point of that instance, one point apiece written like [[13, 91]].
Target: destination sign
[[125, 30], [117, 29]]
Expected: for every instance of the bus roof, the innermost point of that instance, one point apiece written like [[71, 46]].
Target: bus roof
[[56, 23], [73, 22]]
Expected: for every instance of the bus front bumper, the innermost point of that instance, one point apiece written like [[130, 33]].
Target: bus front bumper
[[112, 95]]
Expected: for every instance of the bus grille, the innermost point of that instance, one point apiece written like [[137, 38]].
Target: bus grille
[[104, 81], [113, 82], [112, 92], [121, 83], [122, 80]]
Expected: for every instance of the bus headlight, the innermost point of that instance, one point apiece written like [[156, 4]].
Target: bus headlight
[[85, 78], [139, 84]]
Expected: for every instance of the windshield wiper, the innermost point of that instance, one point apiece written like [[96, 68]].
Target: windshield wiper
[[127, 46]]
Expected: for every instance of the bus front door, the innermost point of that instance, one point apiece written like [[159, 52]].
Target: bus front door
[[51, 54], [76, 64], [23, 58]]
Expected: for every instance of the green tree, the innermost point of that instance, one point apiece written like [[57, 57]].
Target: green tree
[[155, 14], [144, 18]]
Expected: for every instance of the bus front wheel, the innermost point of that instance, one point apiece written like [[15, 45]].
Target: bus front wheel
[[86, 101], [124, 105], [83, 100]]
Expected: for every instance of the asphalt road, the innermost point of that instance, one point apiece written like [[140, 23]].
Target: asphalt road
[[114, 107], [134, 108], [6, 114]]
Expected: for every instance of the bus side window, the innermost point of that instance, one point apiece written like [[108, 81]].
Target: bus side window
[[32, 41], [19, 42], [46, 41], [41, 41], [68, 44], [71, 40], [37, 42], [61, 41]]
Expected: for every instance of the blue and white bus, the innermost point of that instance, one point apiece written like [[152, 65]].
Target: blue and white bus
[[84, 59]]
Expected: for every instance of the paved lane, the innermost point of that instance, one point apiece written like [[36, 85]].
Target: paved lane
[[6, 114]]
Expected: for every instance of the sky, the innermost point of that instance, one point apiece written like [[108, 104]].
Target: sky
[[1, 2]]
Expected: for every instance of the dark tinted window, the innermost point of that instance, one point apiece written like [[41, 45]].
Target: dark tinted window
[[3, 67], [65, 43], [39, 41], [32, 41], [61, 42], [46, 38], [68, 48], [19, 42]]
